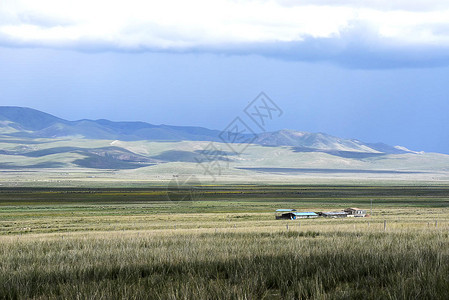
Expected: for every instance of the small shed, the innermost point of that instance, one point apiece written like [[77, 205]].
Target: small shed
[[284, 211], [355, 212]]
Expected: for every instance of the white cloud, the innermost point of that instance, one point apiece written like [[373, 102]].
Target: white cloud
[[179, 25]]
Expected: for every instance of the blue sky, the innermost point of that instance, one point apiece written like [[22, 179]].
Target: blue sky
[[370, 70]]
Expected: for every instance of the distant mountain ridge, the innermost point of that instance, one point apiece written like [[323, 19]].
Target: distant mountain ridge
[[21, 122], [30, 123]]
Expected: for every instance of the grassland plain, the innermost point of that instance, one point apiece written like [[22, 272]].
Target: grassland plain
[[224, 244]]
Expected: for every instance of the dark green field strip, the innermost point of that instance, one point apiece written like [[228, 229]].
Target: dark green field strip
[[307, 195]]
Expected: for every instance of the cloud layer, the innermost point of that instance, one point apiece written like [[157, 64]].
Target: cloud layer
[[354, 33]]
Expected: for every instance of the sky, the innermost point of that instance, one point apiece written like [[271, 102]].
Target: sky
[[372, 70]]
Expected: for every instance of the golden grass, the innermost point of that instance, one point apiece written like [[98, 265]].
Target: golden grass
[[167, 251]]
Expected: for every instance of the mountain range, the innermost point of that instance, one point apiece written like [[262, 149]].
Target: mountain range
[[32, 140], [21, 122]]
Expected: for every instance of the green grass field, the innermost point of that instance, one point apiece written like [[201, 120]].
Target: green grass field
[[223, 242]]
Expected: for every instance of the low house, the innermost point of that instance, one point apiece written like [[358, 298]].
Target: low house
[[305, 215], [335, 214], [297, 215], [355, 212]]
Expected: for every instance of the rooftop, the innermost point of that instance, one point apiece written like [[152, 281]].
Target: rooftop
[[305, 213]]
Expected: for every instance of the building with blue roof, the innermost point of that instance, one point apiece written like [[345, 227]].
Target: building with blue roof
[[305, 215], [293, 215]]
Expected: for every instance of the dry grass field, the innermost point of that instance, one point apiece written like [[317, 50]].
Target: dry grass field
[[226, 244]]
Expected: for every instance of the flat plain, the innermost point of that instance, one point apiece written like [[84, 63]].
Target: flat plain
[[223, 242]]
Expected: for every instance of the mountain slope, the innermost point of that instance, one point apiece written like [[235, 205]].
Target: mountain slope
[[316, 141], [23, 118]]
